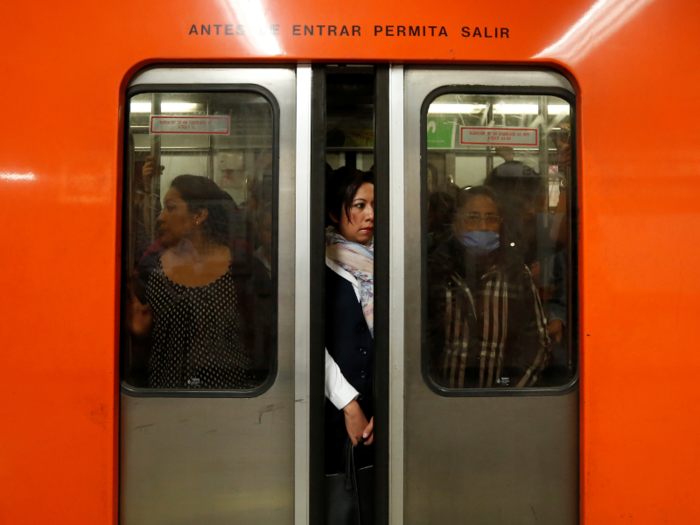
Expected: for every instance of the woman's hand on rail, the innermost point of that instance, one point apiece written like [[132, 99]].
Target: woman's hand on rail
[[149, 170], [368, 434], [355, 422]]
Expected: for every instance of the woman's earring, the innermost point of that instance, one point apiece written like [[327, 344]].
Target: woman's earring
[[197, 223]]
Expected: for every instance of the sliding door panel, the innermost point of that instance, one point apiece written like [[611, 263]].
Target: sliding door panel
[[491, 398], [207, 342]]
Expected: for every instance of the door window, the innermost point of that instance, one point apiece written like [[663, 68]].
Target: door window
[[497, 239], [199, 273]]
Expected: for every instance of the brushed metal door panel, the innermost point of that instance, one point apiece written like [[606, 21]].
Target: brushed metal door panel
[[477, 460], [215, 461], [492, 461]]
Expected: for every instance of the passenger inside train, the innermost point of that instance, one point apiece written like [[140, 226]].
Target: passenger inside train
[[441, 208], [191, 298], [485, 318]]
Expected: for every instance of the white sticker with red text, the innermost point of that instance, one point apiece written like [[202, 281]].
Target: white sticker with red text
[[498, 136], [196, 125]]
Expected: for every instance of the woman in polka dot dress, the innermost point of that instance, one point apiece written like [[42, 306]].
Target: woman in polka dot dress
[[190, 300]]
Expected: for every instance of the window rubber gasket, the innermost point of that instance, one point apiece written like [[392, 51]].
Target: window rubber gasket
[[124, 386]]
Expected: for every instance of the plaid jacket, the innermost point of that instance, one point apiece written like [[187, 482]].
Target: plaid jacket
[[486, 326]]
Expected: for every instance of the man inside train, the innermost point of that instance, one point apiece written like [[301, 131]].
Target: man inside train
[[541, 237], [486, 324]]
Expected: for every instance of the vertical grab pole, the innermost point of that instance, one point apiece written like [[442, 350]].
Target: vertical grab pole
[[491, 122], [543, 111], [544, 136], [302, 310], [155, 180]]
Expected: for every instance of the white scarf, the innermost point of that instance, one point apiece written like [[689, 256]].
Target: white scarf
[[357, 259]]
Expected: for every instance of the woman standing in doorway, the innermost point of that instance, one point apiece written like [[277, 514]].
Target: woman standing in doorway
[[349, 332]]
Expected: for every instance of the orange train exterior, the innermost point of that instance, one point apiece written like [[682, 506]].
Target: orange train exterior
[[64, 72]]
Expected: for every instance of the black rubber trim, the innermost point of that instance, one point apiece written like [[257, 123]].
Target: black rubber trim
[[127, 389], [572, 261], [381, 293], [317, 284]]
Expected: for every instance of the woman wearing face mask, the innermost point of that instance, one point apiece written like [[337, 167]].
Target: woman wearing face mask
[[487, 328], [350, 325], [191, 299]]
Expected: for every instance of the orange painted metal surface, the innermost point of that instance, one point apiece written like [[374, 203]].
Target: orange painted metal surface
[[64, 71]]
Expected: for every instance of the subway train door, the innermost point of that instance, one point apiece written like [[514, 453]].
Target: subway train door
[[209, 437], [489, 365]]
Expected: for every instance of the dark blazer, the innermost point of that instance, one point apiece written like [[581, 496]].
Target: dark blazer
[[350, 344]]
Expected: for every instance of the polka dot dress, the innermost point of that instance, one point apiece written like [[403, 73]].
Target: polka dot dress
[[197, 341]]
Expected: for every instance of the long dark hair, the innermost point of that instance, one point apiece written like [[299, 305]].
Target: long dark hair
[[341, 187], [202, 193], [441, 209]]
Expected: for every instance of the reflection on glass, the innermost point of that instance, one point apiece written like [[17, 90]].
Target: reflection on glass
[[198, 302], [498, 241]]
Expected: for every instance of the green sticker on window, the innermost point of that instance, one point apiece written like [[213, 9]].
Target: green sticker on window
[[440, 132]]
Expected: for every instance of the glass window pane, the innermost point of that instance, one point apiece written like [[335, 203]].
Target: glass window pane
[[199, 274], [498, 299]]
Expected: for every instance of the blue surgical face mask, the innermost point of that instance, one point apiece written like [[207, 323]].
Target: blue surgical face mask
[[480, 242]]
